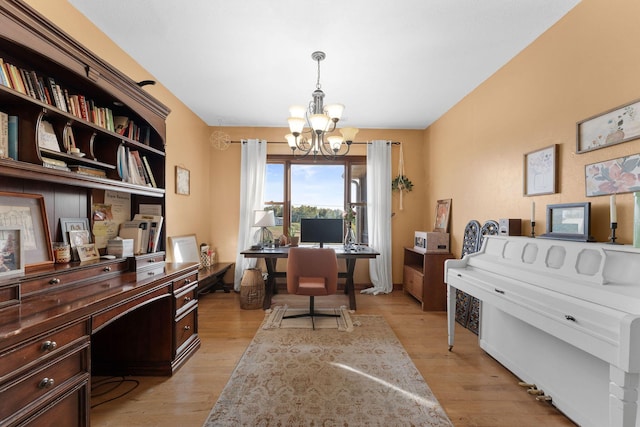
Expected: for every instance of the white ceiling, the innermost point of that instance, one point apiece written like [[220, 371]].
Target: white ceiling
[[395, 65]]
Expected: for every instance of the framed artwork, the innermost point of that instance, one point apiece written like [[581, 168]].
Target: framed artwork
[[621, 175], [27, 211], [11, 252], [184, 248], [569, 221], [78, 238], [620, 124], [87, 252], [72, 224], [182, 180], [540, 171], [443, 208]]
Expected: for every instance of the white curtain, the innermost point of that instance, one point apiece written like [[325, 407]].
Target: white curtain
[[252, 171], [379, 215]]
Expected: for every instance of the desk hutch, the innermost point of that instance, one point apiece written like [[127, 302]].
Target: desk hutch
[[59, 323]]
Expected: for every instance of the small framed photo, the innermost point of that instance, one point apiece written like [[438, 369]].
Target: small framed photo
[[420, 241], [11, 252], [88, 252], [28, 210], [182, 181], [72, 224], [78, 238], [443, 208], [183, 248], [569, 221], [540, 171]]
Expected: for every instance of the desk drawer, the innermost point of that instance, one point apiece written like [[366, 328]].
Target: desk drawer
[[39, 385], [186, 297], [186, 327], [67, 277], [36, 350], [185, 281]]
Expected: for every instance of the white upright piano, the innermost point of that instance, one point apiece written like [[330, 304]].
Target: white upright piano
[[562, 315]]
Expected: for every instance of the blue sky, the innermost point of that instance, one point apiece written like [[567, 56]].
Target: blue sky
[[313, 185]]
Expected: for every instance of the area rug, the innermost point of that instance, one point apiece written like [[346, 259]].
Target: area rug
[[323, 377], [275, 319]]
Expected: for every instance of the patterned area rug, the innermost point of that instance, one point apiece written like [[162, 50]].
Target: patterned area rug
[[275, 319], [304, 377]]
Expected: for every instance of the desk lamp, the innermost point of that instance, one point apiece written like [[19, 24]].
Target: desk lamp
[[264, 219]]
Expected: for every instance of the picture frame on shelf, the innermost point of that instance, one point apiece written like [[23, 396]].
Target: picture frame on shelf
[[87, 252], [78, 238], [183, 248], [11, 252], [569, 221], [183, 180], [614, 126], [29, 211], [621, 175], [540, 171], [443, 209], [72, 224]]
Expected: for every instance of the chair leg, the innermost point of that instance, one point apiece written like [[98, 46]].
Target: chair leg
[[312, 313]]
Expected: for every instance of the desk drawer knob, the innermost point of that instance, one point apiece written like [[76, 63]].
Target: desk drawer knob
[[151, 260], [187, 299], [187, 281], [106, 269], [569, 317], [54, 281], [49, 345], [46, 383], [151, 273], [187, 328]]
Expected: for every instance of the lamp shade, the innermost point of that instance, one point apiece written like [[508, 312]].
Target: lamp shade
[[263, 219], [349, 134], [296, 124], [297, 111], [319, 122], [335, 142], [291, 140], [334, 111]]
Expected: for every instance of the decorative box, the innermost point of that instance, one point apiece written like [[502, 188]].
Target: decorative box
[[431, 241], [121, 248]]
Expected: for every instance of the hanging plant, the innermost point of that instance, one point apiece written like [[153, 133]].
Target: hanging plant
[[401, 183]]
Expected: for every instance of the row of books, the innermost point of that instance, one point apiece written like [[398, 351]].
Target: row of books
[[45, 89], [127, 127], [145, 231], [134, 168], [8, 136]]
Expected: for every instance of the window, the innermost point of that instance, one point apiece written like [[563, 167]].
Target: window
[[301, 188]]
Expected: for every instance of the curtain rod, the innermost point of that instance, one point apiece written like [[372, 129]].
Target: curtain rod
[[284, 142]]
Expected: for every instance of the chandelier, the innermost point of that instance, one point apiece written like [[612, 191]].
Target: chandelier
[[321, 121]]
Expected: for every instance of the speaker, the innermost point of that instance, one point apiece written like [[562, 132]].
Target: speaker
[[510, 227]]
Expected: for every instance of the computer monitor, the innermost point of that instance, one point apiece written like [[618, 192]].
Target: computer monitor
[[321, 230]]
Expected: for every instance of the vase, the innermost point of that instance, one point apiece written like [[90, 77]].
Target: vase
[[349, 237]]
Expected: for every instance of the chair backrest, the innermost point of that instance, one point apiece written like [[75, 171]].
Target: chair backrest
[[312, 262]]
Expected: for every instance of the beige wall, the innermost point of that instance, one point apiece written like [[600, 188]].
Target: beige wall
[[187, 134], [584, 65]]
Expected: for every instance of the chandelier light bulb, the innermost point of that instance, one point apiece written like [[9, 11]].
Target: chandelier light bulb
[[291, 140], [335, 142]]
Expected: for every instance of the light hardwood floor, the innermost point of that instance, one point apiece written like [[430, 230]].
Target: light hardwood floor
[[473, 388]]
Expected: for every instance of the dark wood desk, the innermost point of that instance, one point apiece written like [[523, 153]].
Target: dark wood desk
[[271, 255]]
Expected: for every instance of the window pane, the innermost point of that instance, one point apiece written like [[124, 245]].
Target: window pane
[[274, 195]]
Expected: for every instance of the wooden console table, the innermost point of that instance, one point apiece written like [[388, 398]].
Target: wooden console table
[[212, 278]]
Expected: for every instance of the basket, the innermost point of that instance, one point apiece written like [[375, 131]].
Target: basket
[[251, 289]]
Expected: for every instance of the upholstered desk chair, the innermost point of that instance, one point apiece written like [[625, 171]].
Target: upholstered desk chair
[[312, 272]]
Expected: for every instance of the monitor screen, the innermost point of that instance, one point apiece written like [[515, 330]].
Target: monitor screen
[[321, 230]]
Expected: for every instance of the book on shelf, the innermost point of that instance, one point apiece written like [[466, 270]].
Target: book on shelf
[[47, 137], [154, 231], [141, 169], [13, 137], [4, 135], [50, 163], [4, 79], [147, 167], [121, 123], [87, 170]]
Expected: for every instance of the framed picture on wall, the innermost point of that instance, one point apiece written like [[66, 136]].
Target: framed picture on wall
[[540, 171], [182, 181], [11, 252], [615, 126]]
